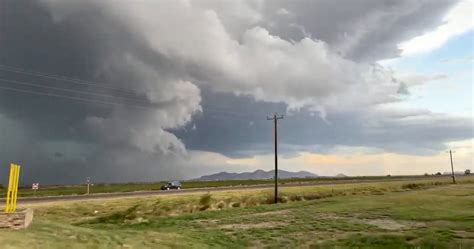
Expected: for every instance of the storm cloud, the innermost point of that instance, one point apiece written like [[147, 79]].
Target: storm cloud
[[166, 80]]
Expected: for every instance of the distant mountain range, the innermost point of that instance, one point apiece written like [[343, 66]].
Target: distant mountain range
[[258, 174]]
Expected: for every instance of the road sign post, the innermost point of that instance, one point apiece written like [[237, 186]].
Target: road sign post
[[35, 186], [12, 191], [88, 180]]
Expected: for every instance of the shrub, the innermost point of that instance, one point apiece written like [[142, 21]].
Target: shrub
[[131, 213], [295, 198], [205, 201], [412, 185], [312, 196], [117, 217], [235, 204], [249, 202], [270, 199], [221, 205]]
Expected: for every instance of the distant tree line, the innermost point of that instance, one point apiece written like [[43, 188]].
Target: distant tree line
[[466, 172]]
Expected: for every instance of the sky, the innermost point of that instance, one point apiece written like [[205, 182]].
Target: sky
[[127, 91]]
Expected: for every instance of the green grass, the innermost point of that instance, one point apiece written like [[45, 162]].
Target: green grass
[[26, 191], [419, 214]]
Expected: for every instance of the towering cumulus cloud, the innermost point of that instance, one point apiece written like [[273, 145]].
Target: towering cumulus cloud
[[305, 72], [162, 57]]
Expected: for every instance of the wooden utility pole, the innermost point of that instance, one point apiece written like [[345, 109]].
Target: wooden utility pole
[[452, 167], [275, 119]]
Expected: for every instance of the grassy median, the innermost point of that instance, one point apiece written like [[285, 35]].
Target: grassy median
[[417, 214], [26, 191]]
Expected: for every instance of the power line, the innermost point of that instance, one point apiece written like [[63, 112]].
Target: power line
[[72, 98], [275, 119], [235, 114], [228, 114], [66, 79], [73, 91]]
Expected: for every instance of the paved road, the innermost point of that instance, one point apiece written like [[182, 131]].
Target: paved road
[[34, 200]]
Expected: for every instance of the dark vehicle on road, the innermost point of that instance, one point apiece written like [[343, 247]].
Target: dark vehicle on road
[[171, 185]]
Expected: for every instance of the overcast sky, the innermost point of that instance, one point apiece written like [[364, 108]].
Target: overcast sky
[[153, 90]]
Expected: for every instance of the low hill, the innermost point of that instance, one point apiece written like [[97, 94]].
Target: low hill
[[258, 174]]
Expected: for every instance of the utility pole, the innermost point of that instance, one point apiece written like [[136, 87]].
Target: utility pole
[[452, 168], [275, 119]]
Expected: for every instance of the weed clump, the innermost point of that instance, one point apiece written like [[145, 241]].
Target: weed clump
[[221, 205], [422, 185], [205, 201], [270, 199], [296, 198], [413, 186], [235, 204], [312, 197], [118, 217], [250, 202]]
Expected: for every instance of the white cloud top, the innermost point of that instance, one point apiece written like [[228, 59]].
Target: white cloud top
[[457, 21]]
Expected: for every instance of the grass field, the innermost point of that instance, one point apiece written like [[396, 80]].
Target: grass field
[[397, 214], [26, 191]]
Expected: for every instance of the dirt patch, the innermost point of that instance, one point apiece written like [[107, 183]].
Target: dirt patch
[[464, 234], [393, 225], [442, 223], [383, 222], [207, 222], [241, 226], [332, 216], [279, 213]]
